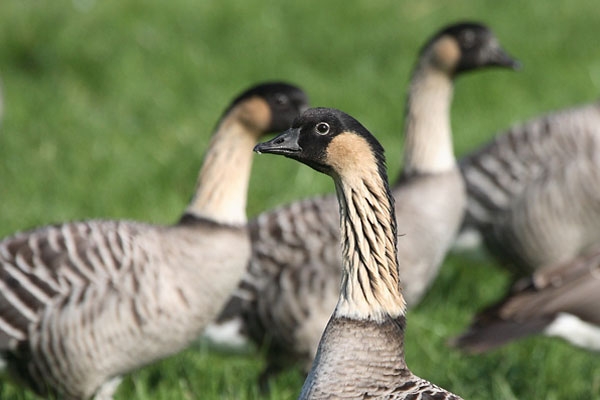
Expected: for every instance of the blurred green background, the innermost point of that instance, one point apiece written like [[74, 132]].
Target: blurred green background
[[109, 106]]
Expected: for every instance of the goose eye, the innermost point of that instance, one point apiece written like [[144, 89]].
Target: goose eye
[[322, 128], [281, 99], [468, 39]]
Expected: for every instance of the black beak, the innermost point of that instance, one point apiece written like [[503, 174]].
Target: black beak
[[285, 144], [500, 58]]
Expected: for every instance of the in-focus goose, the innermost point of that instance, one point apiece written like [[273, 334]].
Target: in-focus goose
[[559, 301], [83, 303], [361, 352], [291, 287], [532, 192]]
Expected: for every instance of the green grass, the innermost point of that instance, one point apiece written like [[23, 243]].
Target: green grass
[[109, 105]]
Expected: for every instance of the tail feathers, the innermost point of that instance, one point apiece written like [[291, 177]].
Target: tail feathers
[[500, 324], [480, 338], [227, 335], [229, 329], [232, 310]]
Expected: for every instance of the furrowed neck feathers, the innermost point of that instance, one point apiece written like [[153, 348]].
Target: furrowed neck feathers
[[428, 142], [222, 186], [370, 287]]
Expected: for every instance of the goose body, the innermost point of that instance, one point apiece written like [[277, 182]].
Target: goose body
[[291, 287], [532, 194], [532, 190], [83, 303], [361, 352]]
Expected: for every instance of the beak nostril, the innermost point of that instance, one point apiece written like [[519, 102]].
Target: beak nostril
[[278, 141]]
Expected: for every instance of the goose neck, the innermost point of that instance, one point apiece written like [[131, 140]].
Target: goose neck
[[428, 142], [222, 185], [370, 287]]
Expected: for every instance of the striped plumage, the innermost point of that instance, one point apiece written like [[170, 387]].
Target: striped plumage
[[83, 303], [291, 287], [532, 191], [361, 352]]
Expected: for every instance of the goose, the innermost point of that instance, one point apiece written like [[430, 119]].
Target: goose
[[560, 301], [531, 191], [291, 287], [361, 351], [531, 195], [83, 303]]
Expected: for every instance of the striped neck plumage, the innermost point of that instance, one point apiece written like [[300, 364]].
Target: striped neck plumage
[[428, 142], [222, 187], [370, 288]]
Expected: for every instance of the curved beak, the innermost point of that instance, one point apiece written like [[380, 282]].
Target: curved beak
[[285, 143]]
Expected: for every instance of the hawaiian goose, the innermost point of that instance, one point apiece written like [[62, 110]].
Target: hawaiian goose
[[533, 195], [291, 287], [83, 303], [532, 192], [361, 352]]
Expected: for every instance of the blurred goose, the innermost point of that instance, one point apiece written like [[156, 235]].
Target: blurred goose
[[559, 301], [83, 303], [361, 352], [291, 287], [532, 194], [532, 191]]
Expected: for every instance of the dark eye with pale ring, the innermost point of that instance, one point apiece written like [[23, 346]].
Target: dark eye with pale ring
[[322, 128]]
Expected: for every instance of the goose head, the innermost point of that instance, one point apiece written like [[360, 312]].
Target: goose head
[[466, 46], [268, 107], [329, 141]]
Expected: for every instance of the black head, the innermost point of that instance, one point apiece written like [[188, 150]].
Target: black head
[[269, 107], [467, 46], [329, 141]]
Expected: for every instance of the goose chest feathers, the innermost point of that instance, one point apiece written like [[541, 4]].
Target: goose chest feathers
[[361, 352], [83, 303], [291, 287]]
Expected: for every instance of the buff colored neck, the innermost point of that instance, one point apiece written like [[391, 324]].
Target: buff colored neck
[[370, 287], [428, 143], [222, 187]]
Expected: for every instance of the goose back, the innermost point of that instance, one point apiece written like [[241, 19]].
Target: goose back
[[70, 288], [531, 191]]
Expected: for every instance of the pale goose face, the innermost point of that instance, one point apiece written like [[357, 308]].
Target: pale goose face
[[467, 46], [327, 140]]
